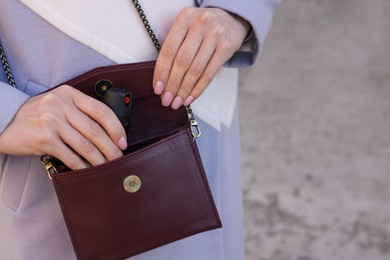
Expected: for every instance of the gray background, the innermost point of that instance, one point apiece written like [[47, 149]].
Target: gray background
[[315, 125]]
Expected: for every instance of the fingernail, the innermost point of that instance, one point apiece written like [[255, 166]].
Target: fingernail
[[188, 101], [177, 102], [158, 88], [167, 99], [122, 143]]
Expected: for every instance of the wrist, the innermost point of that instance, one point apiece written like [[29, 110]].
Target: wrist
[[244, 26]]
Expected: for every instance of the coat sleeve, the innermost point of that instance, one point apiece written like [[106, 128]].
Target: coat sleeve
[[259, 14], [11, 100]]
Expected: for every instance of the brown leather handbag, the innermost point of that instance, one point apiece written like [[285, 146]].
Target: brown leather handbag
[[155, 194]]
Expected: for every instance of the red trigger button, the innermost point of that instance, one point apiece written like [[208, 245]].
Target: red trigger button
[[127, 100]]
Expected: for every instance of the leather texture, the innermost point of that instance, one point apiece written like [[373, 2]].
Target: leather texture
[[174, 201]]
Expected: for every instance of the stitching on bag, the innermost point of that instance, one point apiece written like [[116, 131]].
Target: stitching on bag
[[66, 216], [204, 179], [131, 155], [171, 239], [109, 69]]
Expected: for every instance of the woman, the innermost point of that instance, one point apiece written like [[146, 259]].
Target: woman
[[48, 42]]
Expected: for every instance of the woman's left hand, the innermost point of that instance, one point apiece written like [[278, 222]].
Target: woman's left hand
[[200, 41]]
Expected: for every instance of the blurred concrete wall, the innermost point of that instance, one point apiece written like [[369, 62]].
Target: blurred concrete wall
[[315, 124]]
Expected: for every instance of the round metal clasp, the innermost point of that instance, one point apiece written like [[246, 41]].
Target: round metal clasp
[[132, 184]]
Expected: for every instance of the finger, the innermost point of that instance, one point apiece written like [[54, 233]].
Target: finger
[[182, 62], [69, 157], [196, 69], [216, 62], [103, 115], [82, 146], [95, 134], [168, 52]]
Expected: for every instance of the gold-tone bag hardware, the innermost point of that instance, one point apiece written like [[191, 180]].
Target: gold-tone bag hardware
[[50, 168], [132, 184]]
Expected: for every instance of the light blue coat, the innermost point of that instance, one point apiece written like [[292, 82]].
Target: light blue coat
[[40, 56]]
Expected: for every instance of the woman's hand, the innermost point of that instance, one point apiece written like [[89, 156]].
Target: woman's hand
[[200, 41], [66, 124]]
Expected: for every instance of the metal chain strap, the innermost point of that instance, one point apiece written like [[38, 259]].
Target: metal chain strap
[[147, 25], [7, 69]]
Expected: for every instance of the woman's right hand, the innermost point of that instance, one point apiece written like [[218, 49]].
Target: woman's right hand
[[64, 118]]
